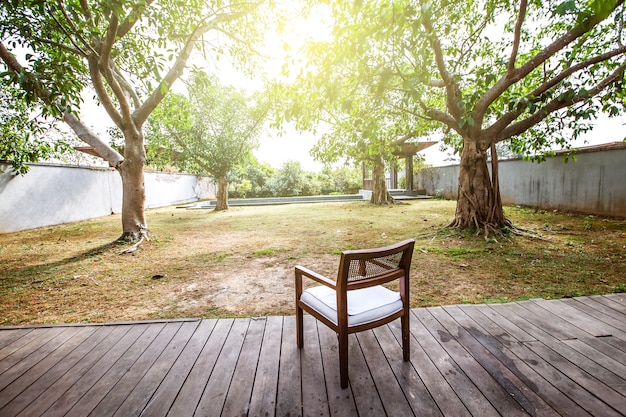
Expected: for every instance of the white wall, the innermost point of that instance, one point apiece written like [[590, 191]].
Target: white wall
[[54, 194]]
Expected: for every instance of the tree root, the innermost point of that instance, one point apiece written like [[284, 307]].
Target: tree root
[[134, 246]]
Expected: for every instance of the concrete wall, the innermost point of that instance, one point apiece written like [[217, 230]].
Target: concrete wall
[[54, 194], [594, 184]]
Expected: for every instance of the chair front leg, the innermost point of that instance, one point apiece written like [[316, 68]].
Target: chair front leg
[[406, 337], [299, 326]]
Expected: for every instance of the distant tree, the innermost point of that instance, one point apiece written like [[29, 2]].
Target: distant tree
[[259, 175], [215, 128], [289, 180], [130, 52]]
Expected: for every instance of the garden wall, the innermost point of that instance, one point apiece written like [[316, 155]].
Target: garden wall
[[594, 184], [52, 194]]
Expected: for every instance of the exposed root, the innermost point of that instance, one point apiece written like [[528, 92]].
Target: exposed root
[[132, 248], [145, 235]]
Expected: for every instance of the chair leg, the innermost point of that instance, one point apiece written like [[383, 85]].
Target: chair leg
[[299, 326], [406, 338], [343, 359]]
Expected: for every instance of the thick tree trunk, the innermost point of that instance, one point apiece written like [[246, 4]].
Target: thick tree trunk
[[134, 225], [222, 194], [380, 194], [478, 203]]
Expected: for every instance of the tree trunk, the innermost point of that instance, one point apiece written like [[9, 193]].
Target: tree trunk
[[478, 202], [222, 194], [134, 225], [380, 194]]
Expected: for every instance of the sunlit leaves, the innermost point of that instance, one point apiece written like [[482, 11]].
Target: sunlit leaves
[[214, 129]]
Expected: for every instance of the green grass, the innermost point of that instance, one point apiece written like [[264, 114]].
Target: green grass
[[240, 262]]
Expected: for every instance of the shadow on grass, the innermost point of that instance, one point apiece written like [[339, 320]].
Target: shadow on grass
[[34, 270]]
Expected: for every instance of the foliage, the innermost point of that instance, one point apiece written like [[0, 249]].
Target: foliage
[[214, 129], [534, 74], [261, 180], [22, 136], [129, 52]]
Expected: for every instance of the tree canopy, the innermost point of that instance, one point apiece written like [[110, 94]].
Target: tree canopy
[[215, 128], [532, 73], [129, 53]]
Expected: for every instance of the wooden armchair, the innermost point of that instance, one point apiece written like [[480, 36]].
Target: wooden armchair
[[357, 301]]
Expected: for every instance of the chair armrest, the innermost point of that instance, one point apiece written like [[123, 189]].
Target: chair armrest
[[302, 271]]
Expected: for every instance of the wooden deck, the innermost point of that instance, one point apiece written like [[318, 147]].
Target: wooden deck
[[541, 358]]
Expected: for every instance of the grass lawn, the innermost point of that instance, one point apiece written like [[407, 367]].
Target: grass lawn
[[202, 263]]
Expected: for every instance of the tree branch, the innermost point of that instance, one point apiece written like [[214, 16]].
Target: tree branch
[[534, 95], [452, 89], [141, 114], [101, 91], [81, 130], [516, 35], [513, 77], [558, 104]]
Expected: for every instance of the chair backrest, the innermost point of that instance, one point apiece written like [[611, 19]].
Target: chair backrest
[[367, 267]]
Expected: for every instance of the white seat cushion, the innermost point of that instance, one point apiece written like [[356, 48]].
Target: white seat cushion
[[364, 305]]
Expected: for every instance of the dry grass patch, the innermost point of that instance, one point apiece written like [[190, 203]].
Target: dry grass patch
[[202, 263]]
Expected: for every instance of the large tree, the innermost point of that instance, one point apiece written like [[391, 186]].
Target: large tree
[[129, 52], [533, 73], [215, 128]]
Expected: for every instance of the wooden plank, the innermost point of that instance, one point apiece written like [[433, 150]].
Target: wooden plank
[[164, 397], [340, 401], [579, 319], [494, 320], [263, 400], [588, 361], [8, 336], [314, 397], [533, 313], [603, 308], [440, 390], [548, 370], [212, 400], [590, 384], [593, 313], [469, 394], [597, 363], [534, 317], [289, 390], [415, 392], [24, 346], [611, 301], [498, 397], [367, 399], [391, 395], [237, 402], [468, 334], [116, 385], [617, 297], [150, 381], [78, 367], [19, 367], [189, 395], [42, 364], [120, 357]]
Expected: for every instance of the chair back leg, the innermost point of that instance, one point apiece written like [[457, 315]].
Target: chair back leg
[[343, 359]]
